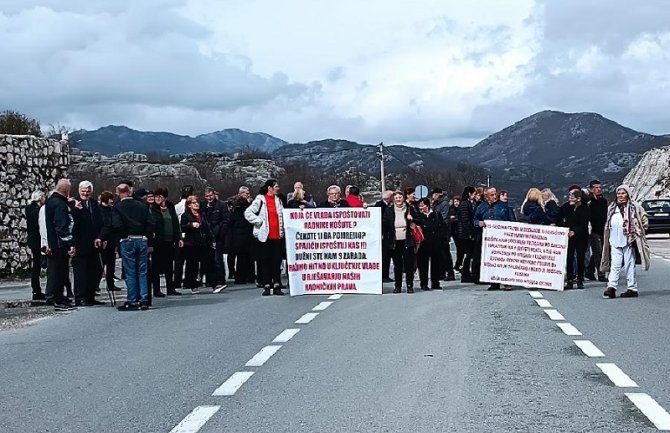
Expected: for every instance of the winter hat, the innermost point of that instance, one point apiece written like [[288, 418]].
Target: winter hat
[[574, 186], [625, 188]]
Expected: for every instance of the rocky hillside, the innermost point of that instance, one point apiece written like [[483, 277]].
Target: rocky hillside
[[556, 149], [112, 140], [651, 176]]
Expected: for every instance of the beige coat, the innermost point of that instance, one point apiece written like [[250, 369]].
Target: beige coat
[[641, 244]]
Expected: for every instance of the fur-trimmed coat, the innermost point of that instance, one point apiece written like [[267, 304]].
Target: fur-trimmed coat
[[642, 253]]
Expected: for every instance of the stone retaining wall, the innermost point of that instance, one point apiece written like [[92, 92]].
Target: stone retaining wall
[[27, 163]]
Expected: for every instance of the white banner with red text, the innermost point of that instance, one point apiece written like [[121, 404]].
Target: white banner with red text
[[518, 254], [333, 250]]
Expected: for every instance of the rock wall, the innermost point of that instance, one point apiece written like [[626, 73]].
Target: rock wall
[[651, 176], [27, 164]]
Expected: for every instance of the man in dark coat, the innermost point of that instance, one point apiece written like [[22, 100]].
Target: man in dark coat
[[217, 215], [385, 203], [33, 231], [87, 265], [441, 206], [598, 217], [334, 198], [60, 244]]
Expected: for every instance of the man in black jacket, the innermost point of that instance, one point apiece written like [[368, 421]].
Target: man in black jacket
[[33, 231], [385, 203], [441, 206], [86, 265], [60, 244], [598, 217], [217, 215], [334, 198], [134, 227]]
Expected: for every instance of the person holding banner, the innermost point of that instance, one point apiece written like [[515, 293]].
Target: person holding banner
[[575, 216], [398, 236], [430, 251], [266, 214], [625, 243], [489, 209]]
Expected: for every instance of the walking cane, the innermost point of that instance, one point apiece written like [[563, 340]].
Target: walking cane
[[110, 293]]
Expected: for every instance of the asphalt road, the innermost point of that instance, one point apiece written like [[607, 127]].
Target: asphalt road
[[457, 360]]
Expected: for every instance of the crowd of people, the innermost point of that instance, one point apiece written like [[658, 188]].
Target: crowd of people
[[192, 242]]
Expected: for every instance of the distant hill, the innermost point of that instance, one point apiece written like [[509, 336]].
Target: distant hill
[[111, 140]]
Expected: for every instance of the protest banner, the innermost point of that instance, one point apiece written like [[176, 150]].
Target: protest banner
[[333, 250], [518, 254]]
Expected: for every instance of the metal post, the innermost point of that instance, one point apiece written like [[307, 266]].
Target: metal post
[[383, 175], [488, 180]]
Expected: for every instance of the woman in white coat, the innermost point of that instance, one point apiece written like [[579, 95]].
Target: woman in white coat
[[266, 214], [624, 243]]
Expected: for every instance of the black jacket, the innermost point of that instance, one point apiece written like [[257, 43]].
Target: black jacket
[[195, 237], [435, 230], [388, 227], [466, 216], [598, 219], [535, 214], [239, 236], [575, 219], [443, 208], [159, 231], [552, 210], [131, 217], [88, 225], [453, 220], [217, 215], [59, 222], [33, 225], [107, 233], [341, 203]]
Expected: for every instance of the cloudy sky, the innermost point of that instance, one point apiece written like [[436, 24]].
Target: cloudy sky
[[426, 72]]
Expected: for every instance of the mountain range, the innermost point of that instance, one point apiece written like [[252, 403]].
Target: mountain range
[[549, 148]]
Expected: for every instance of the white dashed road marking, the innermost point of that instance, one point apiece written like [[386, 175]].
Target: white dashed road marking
[[286, 335], [234, 382], [335, 297], [568, 329], [554, 314], [322, 306], [535, 295], [306, 318], [543, 303], [196, 419], [262, 356], [652, 410], [589, 349], [617, 376]]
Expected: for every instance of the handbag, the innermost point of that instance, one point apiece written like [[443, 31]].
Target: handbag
[[417, 232]]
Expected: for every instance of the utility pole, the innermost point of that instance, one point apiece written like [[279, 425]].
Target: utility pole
[[488, 180], [381, 158]]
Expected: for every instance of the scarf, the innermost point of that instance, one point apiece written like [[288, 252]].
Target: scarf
[[632, 227]]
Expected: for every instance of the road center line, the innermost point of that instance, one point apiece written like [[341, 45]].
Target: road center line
[[535, 295], [554, 314], [335, 297], [234, 382], [589, 349], [262, 356], [617, 376], [652, 410], [196, 419], [568, 329], [543, 303], [306, 318], [286, 335], [322, 306]]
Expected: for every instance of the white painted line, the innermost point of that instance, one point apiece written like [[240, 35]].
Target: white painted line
[[196, 419], [554, 314], [335, 297], [234, 382], [322, 306], [286, 335], [306, 318], [568, 329], [589, 349], [543, 303], [652, 410], [617, 376], [262, 356], [535, 295]]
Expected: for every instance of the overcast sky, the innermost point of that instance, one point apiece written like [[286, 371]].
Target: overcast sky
[[425, 72]]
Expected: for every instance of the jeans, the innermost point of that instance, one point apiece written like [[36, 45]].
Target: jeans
[[626, 256], [134, 256]]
